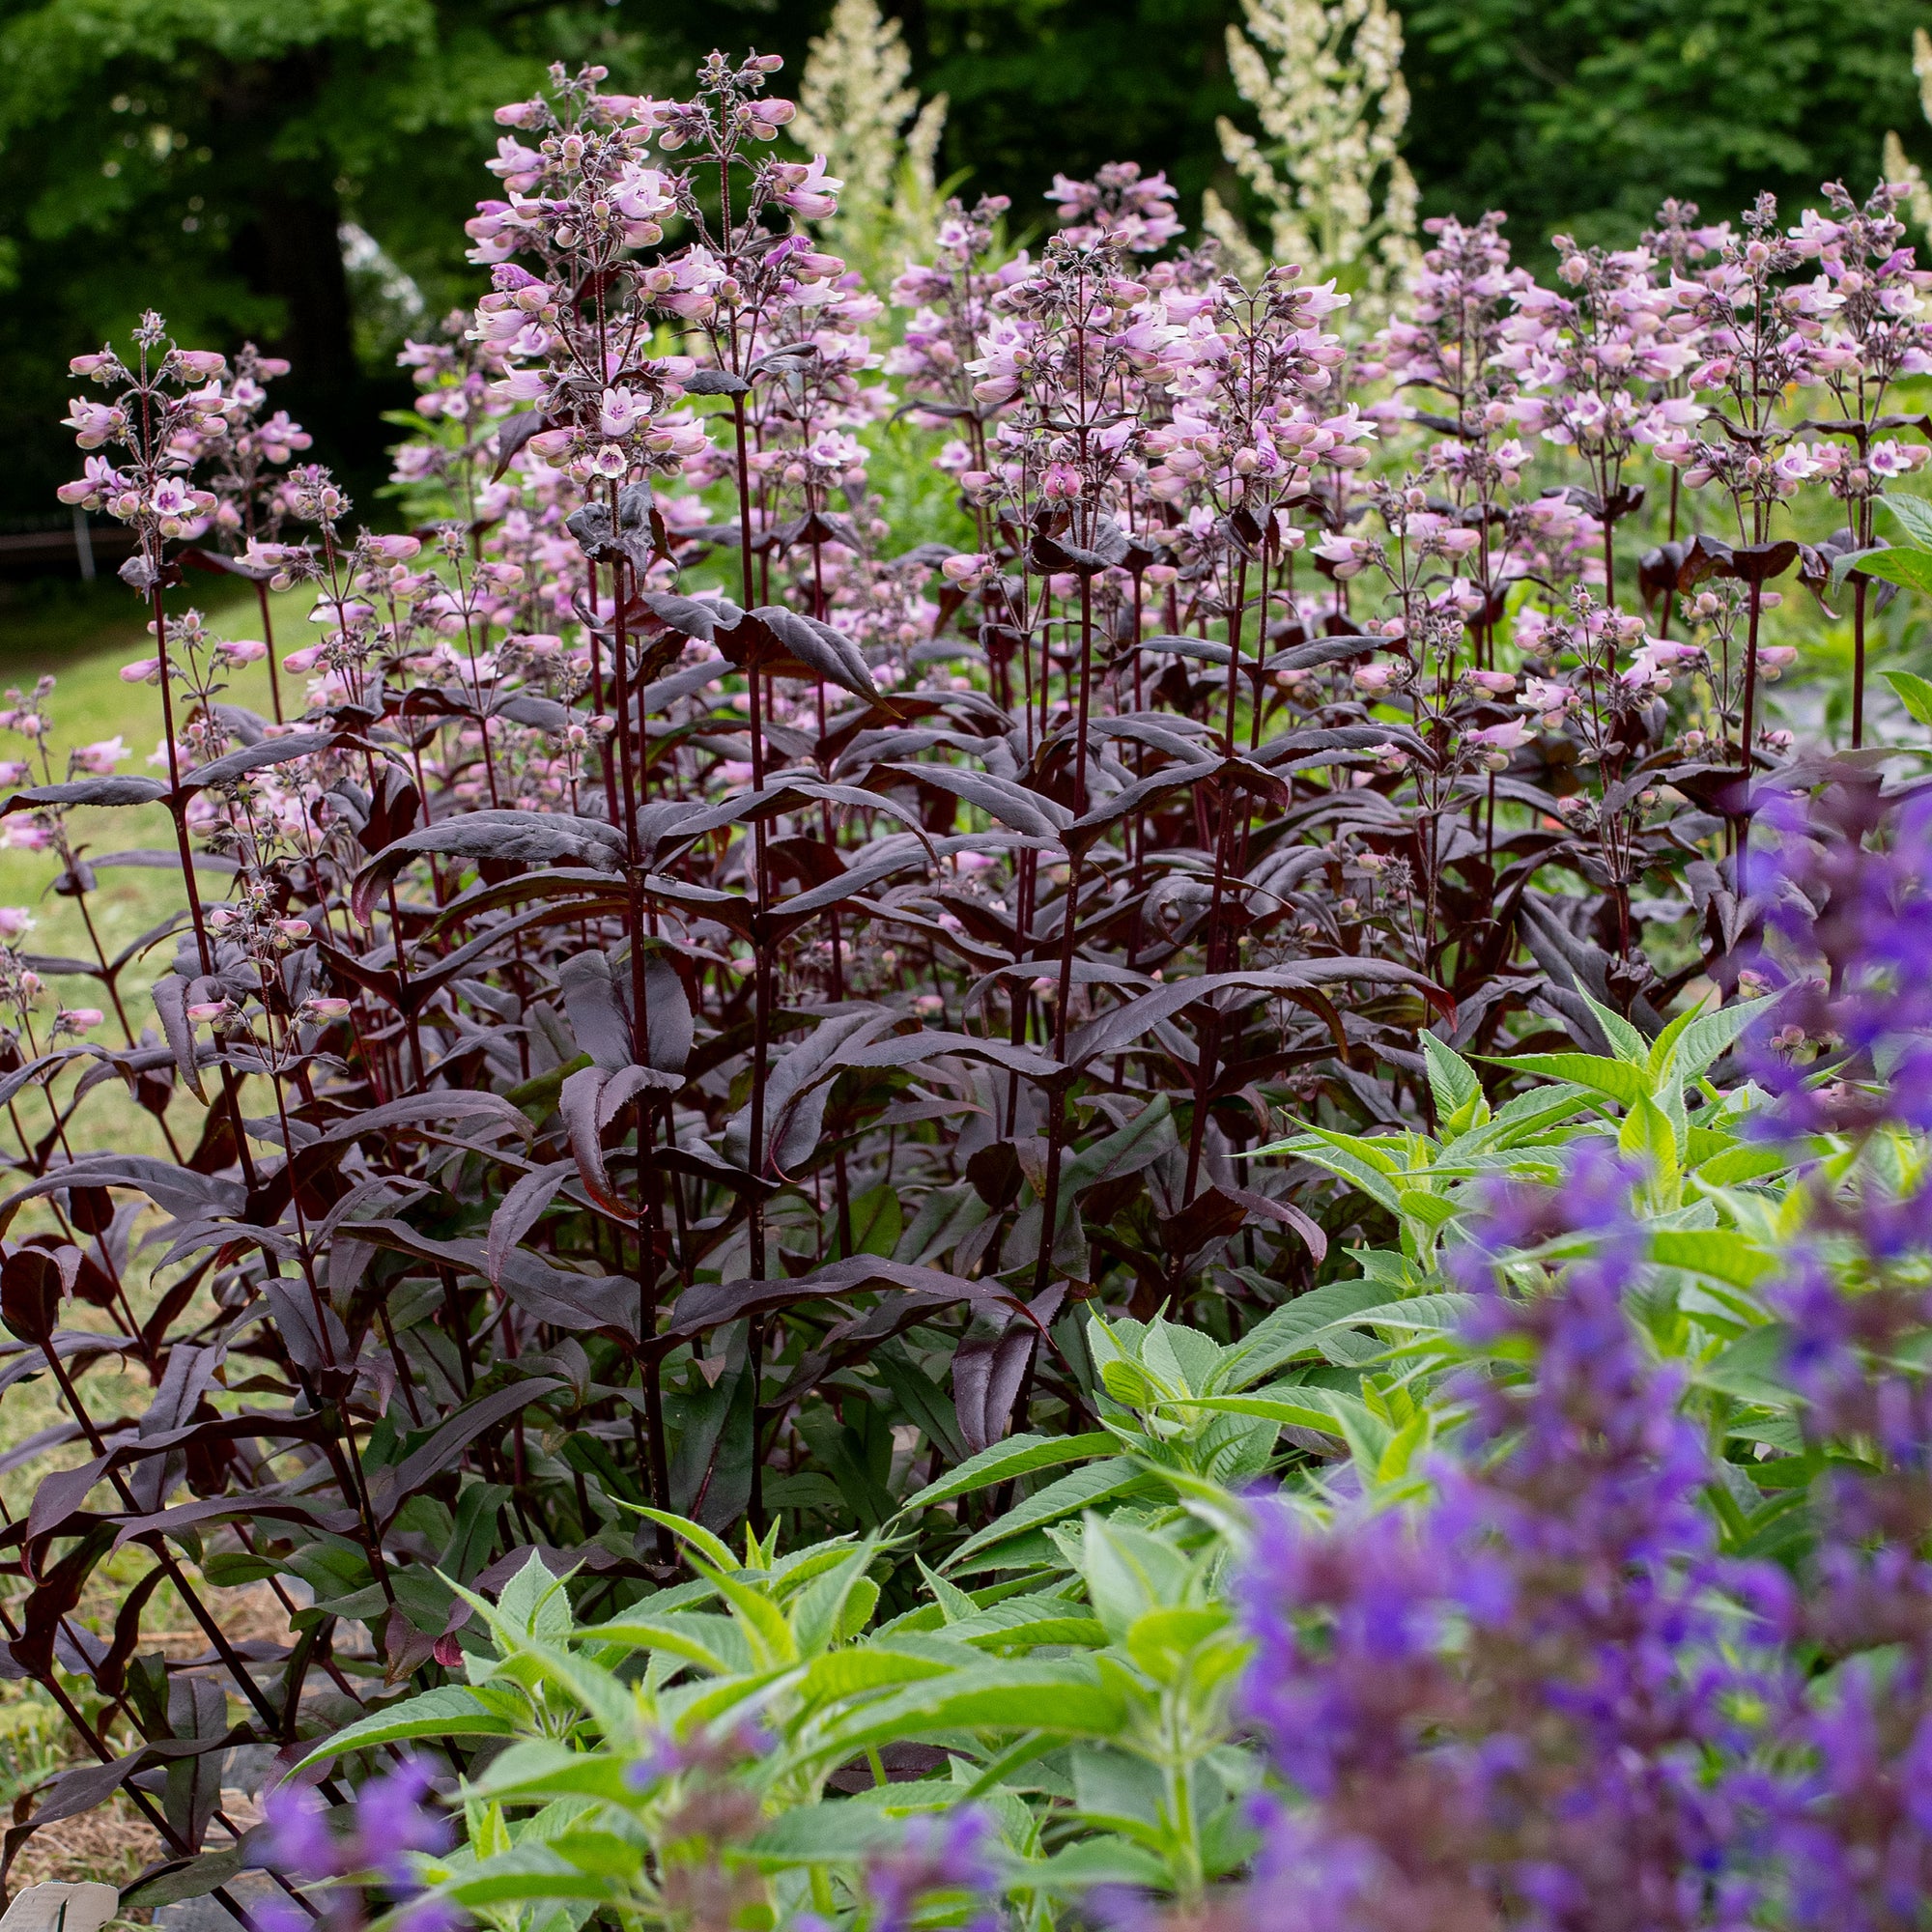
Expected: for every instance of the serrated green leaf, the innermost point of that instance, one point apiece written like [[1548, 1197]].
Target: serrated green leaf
[[829, 1833], [1065, 1497], [1743, 1162], [1913, 514], [1620, 1080], [451, 1710], [1460, 1103], [1722, 1253], [1626, 1041], [1711, 1036], [1281, 1336], [1065, 1697], [717, 1644], [1915, 692], [1017, 1456], [1647, 1136], [1910, 569]]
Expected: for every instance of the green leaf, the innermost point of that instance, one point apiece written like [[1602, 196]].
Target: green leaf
[[1287, 1332], [1028, 1621], [1065, 1697], [877, 1221], [1128, 1572], [717, 1644], [452, 1709], [711, 1547], [819, 1611], [1458, 1092], [1915, 692], [1328, 1410], [1430, 1209], [1017, 1456], [840, 1675], [527, 1872], [1749, 1369], [1848, 561], [534, 1601], [1621, 1080], [1075, 1872], [1913, 514], [1071, 1493], [1711, 1036], [535, 1769], [1722, 1253], [1743, 1161], [1626, 1041], [1647, 1136], [1910, 569], [818, 1834]]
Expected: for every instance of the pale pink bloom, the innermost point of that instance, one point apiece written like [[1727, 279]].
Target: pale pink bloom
[[77, 1019], [101, 756], [143, 670], [15, 921]]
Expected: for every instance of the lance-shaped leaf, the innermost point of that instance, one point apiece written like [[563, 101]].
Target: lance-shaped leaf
[[1000, 799], [518, 1212], [390, 1489], [597, 1017], [451, 1710], [589, 1101], [566, 1300], [697, 617], [1127, 1023], [788, 644], [239, 763], [712, 1304], [795, 1096], [116, 791], [526, 838]]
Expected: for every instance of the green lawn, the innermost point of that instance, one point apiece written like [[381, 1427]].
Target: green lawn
[[82, 636]]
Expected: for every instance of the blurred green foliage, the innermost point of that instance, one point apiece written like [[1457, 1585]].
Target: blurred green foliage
[[203, 157], [1585, 114]]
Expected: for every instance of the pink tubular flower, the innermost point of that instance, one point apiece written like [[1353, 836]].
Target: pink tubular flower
[[92, 423], [101, 756], [77, 1019], [1495, 742], [143, 670], [15, 921], [809, 190]]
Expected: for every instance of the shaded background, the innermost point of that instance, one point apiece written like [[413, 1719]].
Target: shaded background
[[203, 157]]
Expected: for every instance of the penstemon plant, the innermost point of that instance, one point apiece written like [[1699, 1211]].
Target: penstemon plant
[[783, 1086]]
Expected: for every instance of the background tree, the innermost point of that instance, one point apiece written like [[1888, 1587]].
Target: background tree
[[207, 155]]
